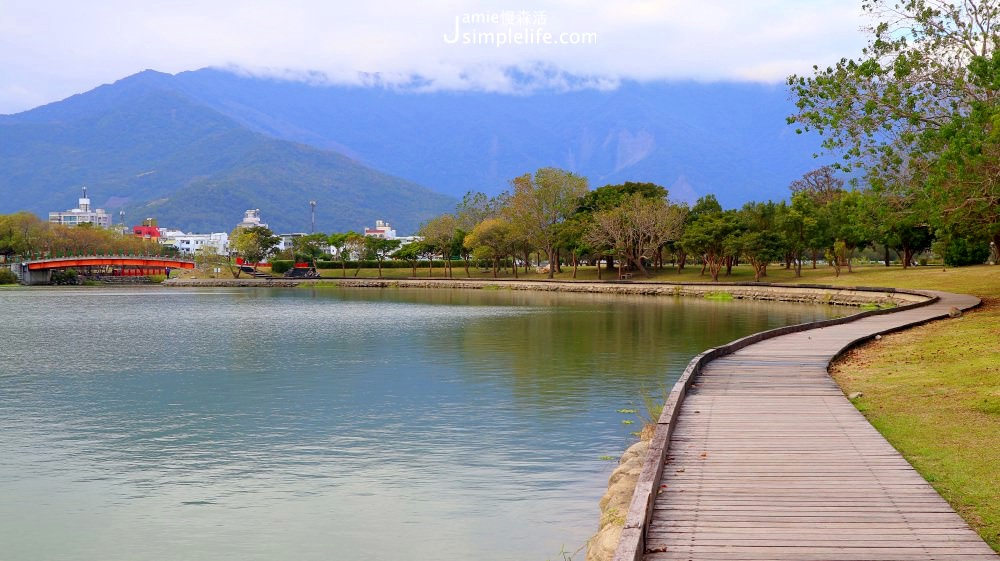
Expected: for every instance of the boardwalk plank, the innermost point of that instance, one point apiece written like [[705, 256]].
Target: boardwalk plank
[[769, 461]]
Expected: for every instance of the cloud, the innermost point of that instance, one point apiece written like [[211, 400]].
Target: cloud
[[51, 50]]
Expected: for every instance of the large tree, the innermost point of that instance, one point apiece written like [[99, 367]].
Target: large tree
[[636, 228], [491, 239], [917, 110], [709, 236], [540, 203], [440, 233], [379, 249], [253, 244]]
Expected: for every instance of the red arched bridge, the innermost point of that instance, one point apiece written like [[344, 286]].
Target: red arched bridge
[[38, 270]]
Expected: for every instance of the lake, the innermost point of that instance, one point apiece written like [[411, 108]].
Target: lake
[[305, 424]]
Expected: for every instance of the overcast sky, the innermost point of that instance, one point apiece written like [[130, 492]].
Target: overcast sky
[[52, 49]]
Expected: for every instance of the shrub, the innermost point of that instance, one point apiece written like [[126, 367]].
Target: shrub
[[7, 276], [69, 276], [281, 267], [961, 252]]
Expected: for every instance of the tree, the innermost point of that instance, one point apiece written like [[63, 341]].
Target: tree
[[380, 248], [845, 220], [636, 228], [756, 236], [439, 233], [253, 244], [917, 111], [21, 233], [410, 252], [605, 198], [338, 242], [709, 236], [799, 227], [820, 184], [474, 208], [707, 204], [897, 224], [309, 248], [963, 186], [354, 247], [491, 239], [541, 202]]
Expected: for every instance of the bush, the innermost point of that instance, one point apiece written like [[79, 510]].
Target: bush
[[281, 267], [387, 264], [7, 276], [69, 276], [961, 252]]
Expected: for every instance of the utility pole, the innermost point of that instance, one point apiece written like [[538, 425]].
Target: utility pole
[[312, 205]]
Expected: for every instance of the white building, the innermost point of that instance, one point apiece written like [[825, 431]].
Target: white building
[[251, 218], [287, 239], [82, 215], [382, 230], [191, 243]]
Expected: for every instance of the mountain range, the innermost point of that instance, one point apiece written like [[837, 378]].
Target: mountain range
[[196, 149]]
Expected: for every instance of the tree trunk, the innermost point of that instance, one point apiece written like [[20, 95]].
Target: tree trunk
[[715, 265], [681, 260], [552, 262], [639, 266], [887, 257], [575, 262], [729, 265], [599, 269]]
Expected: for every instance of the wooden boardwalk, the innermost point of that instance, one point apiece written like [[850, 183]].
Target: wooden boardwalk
[[769, 461]]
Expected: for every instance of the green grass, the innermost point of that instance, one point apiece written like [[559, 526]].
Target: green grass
[[934, 392], [720, 296]]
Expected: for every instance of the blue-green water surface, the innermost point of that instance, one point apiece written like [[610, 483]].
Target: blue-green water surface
[[297, 424]]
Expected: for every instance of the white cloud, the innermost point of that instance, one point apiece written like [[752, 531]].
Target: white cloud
[[52, 49]]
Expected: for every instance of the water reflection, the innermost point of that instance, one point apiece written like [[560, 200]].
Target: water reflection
[[317, 424]]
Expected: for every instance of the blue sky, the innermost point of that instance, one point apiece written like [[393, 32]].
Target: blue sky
[[52, 49]]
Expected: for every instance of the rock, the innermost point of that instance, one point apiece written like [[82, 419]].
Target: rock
[[615, 502], [602, 546], [856, 395], [878, 337], [954, 312]]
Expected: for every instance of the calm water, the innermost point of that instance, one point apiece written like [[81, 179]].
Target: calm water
[[171, 424]]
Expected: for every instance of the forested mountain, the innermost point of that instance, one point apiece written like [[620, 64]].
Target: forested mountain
[[723, 138], [145, 147], [196, 149]]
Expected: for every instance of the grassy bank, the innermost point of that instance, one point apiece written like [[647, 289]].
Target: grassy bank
[[934, 392]]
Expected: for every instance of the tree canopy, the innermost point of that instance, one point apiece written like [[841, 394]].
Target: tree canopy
[[917, 111]]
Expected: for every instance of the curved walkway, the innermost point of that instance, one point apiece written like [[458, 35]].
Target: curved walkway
[[767, 460]]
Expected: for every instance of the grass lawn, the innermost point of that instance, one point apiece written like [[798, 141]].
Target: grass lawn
[[934, 392]]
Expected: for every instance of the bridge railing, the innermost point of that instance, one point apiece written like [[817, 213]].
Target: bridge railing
[[69, 254]]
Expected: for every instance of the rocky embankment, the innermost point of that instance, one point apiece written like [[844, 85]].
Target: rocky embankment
[[615, 502], [849, 296]]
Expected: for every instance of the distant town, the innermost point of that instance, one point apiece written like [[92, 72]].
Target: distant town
[[192, 243]]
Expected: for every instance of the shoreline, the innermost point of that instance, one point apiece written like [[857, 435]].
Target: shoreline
[[808, 293]]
